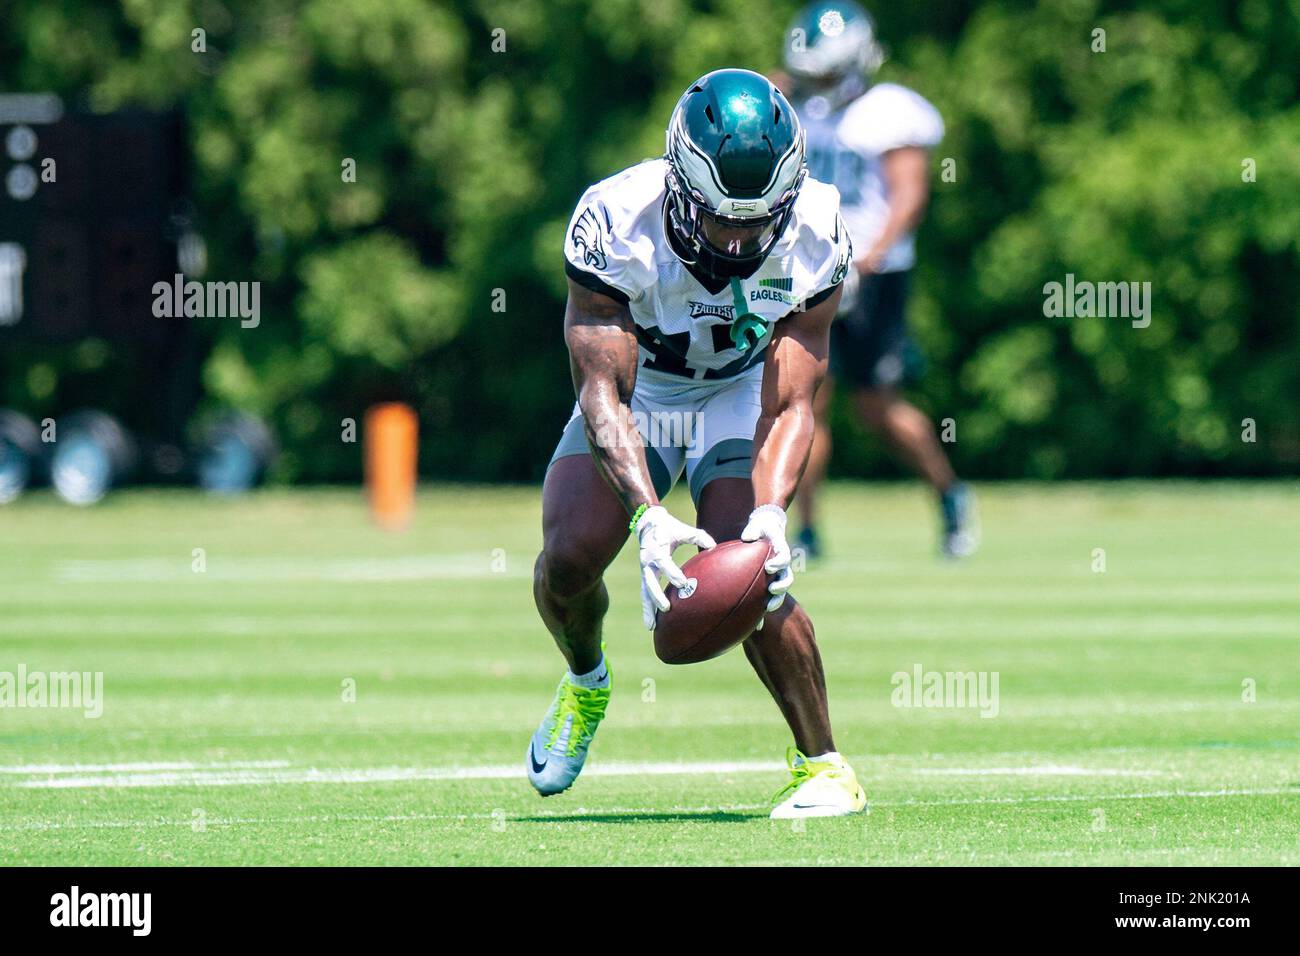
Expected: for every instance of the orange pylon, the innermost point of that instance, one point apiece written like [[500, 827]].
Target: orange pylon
[[392, 442]]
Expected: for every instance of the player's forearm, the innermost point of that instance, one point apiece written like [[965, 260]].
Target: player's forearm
[[795, 368], [616, 444], [906, 211], [906, 174], [602, 359], [783, 442], [905, 214]]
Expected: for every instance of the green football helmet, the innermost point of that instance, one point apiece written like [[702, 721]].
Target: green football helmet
[[831, 52], [832, 39], [735, 167]]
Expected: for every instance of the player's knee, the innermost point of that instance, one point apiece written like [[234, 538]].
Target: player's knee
[[788, 622], [567, 571], [873, 406], [792, 615]]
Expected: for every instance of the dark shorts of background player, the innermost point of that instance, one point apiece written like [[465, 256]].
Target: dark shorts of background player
[[870, 346]]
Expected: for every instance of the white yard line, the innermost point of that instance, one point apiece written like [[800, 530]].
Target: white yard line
[[582, 813], [229, 777], [519, 817], [36, 768], [1087, 798], [279, 773], [1044, 771], [338, 570]]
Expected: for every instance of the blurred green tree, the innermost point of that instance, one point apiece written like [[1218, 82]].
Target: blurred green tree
[[397, 174]]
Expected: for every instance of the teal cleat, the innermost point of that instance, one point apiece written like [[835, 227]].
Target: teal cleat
[[559, 747], [809, 541], [961, 536]]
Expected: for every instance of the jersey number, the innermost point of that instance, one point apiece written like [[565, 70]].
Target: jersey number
[[668, 351]]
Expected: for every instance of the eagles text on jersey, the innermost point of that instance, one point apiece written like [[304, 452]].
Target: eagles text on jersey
[[616, 244]]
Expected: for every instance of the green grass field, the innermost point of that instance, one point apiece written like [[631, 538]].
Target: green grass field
[[1124, 732]]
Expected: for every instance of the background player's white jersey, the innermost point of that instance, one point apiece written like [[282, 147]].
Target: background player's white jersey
[[845, 146], [617, 234]]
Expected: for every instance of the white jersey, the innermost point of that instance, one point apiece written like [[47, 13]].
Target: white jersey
[[617, 236], [845, 146]]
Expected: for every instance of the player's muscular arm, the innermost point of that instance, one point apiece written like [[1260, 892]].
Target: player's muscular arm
[[907, 177], [794, 369], [602, 358]]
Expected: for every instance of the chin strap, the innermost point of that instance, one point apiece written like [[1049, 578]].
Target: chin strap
[[748, 329]]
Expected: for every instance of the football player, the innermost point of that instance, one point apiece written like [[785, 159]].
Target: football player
[[872, 142], [701, 291]]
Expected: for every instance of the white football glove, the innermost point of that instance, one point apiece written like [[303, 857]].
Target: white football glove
[[658, 533], [768, 521]]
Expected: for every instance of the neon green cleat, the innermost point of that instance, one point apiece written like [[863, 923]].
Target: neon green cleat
[[826, 788], [559, 746]]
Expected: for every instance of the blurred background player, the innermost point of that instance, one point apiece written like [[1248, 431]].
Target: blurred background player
[[872, 142]]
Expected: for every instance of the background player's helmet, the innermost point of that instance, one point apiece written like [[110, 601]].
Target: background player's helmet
[[735, 166], [832, 44]]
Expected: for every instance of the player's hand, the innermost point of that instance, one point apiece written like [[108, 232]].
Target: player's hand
[[658, 533], [768, 521], [871, 262]]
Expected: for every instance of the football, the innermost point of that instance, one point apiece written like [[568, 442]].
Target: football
[[722, 605]]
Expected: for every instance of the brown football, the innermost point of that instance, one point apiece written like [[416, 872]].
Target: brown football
[[721, 609]]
